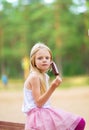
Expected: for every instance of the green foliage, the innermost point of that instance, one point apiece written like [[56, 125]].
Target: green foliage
[[55, 24]]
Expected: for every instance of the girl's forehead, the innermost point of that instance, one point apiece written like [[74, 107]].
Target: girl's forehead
[[43, 51]]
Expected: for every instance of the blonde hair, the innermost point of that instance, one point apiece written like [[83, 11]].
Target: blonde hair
[[33, 67]]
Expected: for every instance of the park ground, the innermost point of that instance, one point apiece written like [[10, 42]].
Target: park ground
[[73, 99]]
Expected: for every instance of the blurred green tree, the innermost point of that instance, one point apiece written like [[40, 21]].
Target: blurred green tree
[[59, 26]]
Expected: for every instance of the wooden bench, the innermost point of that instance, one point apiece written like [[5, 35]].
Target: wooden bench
[[4, 125]]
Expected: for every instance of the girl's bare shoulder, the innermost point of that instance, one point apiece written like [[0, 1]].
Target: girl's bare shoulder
[[32, 78]]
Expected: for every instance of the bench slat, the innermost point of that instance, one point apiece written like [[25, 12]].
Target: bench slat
[[11, 126]]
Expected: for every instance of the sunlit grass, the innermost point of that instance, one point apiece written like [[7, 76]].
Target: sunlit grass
[[78, 81], [13, 85], [17, 85]]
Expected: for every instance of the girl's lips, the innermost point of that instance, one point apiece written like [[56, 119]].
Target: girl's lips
[[44, 64]]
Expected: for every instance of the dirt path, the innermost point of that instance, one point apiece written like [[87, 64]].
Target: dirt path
[[75, 100]]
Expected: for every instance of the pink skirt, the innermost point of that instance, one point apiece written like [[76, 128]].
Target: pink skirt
[[51, 119]]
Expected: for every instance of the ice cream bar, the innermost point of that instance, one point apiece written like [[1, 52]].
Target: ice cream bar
[[54, 68]]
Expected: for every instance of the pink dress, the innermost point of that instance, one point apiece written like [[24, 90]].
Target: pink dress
[[46, 117]]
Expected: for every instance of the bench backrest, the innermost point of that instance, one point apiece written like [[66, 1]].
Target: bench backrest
[[11, 126]]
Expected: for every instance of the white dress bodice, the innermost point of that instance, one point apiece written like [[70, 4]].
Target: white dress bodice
[[29, 102]]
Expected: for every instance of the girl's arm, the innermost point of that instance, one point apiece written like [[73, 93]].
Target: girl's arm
[[40, 100]]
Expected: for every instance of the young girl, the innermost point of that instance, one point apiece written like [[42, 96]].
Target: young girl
[[39, 113]]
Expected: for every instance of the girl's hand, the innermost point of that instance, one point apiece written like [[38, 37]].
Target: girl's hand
[[56, 82]]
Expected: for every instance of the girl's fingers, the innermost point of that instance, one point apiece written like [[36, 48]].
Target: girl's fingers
[[59, 79]]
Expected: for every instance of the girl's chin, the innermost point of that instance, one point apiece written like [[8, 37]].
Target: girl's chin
[[43, 71]]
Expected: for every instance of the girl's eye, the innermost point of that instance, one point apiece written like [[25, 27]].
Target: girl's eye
[[39, 58], [47, 57]]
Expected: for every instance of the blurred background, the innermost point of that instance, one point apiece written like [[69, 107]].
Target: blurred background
[[62, 25]]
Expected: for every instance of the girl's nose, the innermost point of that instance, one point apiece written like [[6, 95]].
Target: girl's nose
[[44, 59]]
